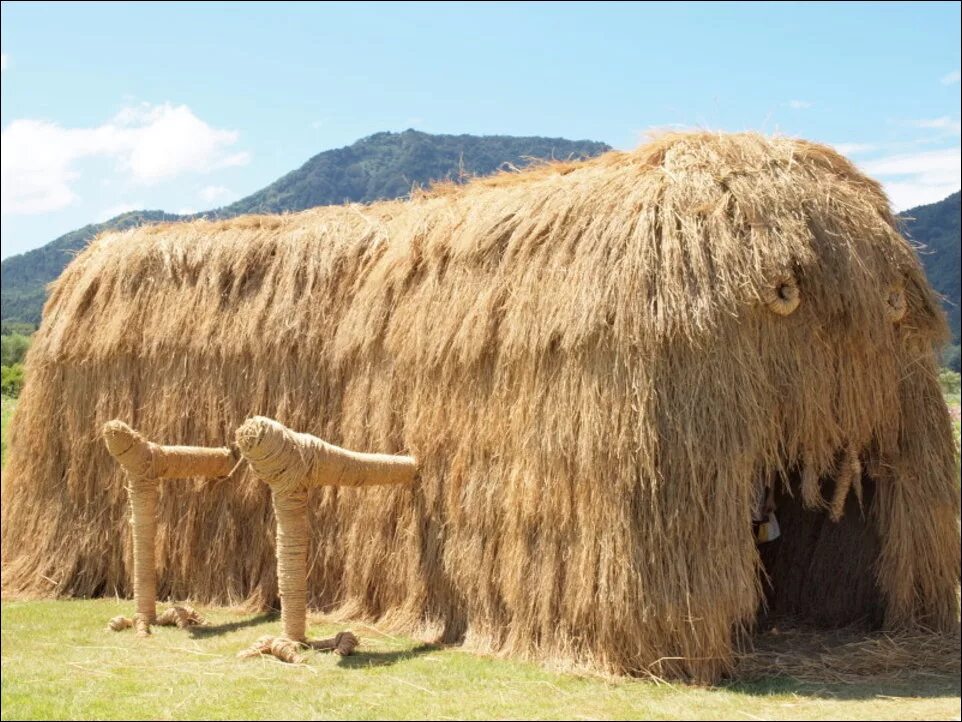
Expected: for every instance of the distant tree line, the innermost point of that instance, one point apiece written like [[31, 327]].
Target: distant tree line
[[950, 358], [14, 342]]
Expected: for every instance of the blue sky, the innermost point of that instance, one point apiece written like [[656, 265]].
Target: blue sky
[[109, 107]]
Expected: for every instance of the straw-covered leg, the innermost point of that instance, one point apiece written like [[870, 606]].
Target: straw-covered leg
[[145, 464], [290, 463]]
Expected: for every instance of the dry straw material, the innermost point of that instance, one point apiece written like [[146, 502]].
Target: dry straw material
[[849, 657], [145, 464], [291, 463], [596, 365]]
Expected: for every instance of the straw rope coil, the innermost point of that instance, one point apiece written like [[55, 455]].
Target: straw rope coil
[[895, 304], [176, 616], [782, 297], [282, 648], [119, 624]]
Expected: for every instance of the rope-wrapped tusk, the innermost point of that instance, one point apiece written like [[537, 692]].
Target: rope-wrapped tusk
[[286, 459], [849, 475], [290, 463], [145, 463], [811, 494]]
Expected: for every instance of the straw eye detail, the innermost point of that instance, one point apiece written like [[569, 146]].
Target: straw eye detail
[[782, 297], [895, 303]]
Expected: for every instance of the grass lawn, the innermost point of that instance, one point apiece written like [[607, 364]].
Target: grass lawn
[[59, 662]]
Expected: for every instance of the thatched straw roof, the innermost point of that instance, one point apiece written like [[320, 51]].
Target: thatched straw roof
[[595, 363]]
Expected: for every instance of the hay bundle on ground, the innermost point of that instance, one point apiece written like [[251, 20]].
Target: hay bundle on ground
[[597, 366]]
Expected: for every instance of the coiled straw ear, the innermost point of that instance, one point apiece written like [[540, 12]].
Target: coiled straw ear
[[783, 296], [895, 303]]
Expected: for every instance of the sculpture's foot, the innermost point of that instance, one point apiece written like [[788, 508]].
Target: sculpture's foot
[[286, 650], [119, 624], [342, 643], [180, 617], [140, 622], [142, 625]]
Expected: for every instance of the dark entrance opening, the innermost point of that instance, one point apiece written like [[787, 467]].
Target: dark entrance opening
[[821, 572]]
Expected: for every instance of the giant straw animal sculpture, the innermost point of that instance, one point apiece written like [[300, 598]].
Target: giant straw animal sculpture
[[290, 463], [145, 464]]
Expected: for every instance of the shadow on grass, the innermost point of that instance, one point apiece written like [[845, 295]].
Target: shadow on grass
[[362, 659], [215, 630], [911, 685]]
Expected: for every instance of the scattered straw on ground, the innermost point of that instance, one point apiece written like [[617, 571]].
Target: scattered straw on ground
[[819, 656]]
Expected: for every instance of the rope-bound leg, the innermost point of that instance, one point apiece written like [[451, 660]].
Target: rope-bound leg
[[145, 464], [290, 463]]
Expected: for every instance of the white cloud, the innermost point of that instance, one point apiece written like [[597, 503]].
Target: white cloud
[[945, 160], [149, 144], [213, 194], [800, 104], [108, 213], [952, 78], [3, 61], [166, 141], [186, 211], [910, 195], [943, 123], [853, 148], [913, 179]]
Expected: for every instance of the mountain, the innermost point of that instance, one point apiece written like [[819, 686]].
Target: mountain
[[936, 228], [23, 278], [386, 165], [381, 166]]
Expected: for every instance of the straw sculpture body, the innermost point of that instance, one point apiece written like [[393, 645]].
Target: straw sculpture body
[[145, 464], [598, 366], [291, 463]]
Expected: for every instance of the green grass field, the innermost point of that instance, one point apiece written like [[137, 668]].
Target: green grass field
[[60, 662]]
